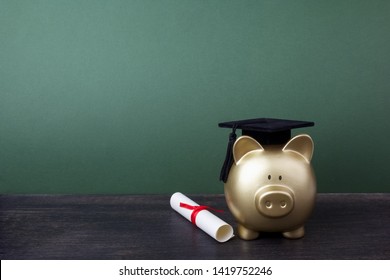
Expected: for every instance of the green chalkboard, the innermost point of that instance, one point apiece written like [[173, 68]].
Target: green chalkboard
[[125, 96]]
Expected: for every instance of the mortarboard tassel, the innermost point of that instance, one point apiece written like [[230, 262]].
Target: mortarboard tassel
[[229, 156]]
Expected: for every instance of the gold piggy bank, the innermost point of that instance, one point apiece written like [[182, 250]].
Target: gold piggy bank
[[271, 188]]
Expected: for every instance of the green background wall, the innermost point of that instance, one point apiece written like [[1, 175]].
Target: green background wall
[[125, 96]]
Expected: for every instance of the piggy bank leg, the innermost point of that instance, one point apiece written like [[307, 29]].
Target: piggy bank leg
[[246, 234], [295, 234]]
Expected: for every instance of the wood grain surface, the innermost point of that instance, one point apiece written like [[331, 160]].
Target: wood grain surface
[[343, 226]]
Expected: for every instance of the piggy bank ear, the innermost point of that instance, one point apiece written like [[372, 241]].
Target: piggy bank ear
[[243, 145], [301, 144]]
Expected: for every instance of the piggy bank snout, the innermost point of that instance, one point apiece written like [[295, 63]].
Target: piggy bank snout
[[274, 202]]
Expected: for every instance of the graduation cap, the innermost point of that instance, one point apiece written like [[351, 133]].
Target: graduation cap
[[265, 130]]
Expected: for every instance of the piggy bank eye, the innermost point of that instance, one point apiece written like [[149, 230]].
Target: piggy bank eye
[[269, 177], [280, 177]]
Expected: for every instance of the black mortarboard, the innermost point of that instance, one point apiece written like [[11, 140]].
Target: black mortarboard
[[266, 131]]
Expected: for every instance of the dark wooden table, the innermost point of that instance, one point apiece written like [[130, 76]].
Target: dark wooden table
[[343, 226]]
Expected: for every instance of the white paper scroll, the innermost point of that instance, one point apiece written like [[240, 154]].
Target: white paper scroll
[[205, 220]]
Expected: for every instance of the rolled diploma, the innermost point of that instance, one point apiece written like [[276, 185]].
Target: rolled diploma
[[205, 220]]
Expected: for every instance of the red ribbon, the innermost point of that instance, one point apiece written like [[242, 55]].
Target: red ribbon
[[197, 209]]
